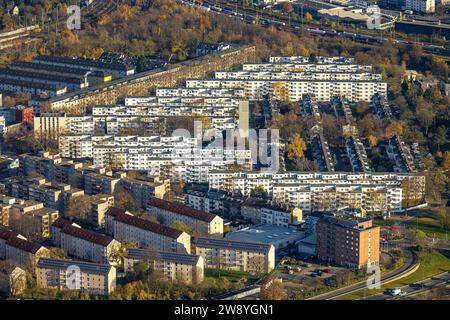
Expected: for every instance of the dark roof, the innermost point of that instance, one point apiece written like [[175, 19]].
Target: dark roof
[[119, 215], [64, 264], [181, 209], [83, 62], [81, 233], [5, 234], [60, 223], [24, 245], [149, 255], [232, 244]]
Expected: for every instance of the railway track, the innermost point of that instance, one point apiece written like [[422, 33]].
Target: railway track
[[250, 15]]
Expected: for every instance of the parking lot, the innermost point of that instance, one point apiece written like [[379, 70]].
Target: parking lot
[[304, 276]]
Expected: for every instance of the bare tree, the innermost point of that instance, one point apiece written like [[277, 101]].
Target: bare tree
[[273, 289], [79, 207], [12, 279]]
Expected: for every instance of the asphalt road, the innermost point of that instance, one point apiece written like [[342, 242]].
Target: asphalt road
[[415, 288], [410, 263]]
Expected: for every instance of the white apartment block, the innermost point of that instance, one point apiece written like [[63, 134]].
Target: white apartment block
[[177, 157], [319, 60], [147, 113], [423, 6], [280, 217], [201, 222], [312, 191], [174, 267], [200, 92], [306, 67], [288, 78], [75, 146], [69, 275], [125, 227], [84, 244], [236, 255], [293, 90]]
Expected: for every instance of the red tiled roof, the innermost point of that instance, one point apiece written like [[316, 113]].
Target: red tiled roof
[[60, 223], [81, 233], [119, 215], [5, 234], [24, 245], [181, 209]]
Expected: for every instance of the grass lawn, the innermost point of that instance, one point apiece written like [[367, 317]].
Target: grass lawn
[[383, 223], [230, 275], [430, 226], [434, 263]]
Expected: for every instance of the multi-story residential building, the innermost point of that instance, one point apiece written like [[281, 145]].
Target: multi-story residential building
[[145, 188], [2, 126], [288, 78], [174, 267], [31, 218], [100, 204], [50, 125], [177, 157], [18, 249], [348, 241], [95, 183], [52, 167], [125, 227], [170, 212], [5, 205], [400, 155], [93, 180], [422, 6], [273, 66], [213, 201], [321, 191], [345, 61], [75, 146], [145, 115], [236, 255], [93, 278], [261, 212], [52, 194], [84, 244], [280, 217]]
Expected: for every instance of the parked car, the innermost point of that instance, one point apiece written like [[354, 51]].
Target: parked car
[[394, 292]]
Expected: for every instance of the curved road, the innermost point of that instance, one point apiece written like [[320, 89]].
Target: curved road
[[410, 263], [413, 289]]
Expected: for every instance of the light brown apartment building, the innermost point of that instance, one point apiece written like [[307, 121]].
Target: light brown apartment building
[[18, 249], [348, 241], [174, 267], [84, 244], [100, 204], [31, 218], [93, 278], [5, 205], [168, 212], [124, 226], [236, 255]]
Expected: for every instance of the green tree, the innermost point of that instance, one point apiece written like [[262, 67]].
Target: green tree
[[259, 192]]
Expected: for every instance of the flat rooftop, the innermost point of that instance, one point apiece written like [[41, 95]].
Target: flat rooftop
[[267, 234]]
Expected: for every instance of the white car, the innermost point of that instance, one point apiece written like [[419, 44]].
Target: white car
[[395, 292]]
